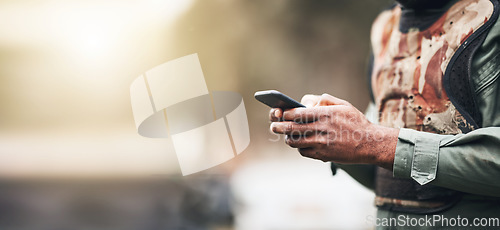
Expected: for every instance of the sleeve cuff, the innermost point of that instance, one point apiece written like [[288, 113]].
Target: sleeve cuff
[[416, 156]]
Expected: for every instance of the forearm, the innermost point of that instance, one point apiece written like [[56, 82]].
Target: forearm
[[384, 146], [379, 146]]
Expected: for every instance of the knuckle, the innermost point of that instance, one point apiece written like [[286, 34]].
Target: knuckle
[[326, 97]]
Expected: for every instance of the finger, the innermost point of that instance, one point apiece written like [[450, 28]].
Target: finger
[[275, 114], [327, 99], [312, 153], [292, 128], [307, 152], [309, 100], [307, 115], [304, 141]]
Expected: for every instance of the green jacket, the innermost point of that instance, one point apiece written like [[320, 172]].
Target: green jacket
[[468, 163]]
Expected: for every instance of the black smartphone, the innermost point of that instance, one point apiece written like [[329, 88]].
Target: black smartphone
[[276, 99]]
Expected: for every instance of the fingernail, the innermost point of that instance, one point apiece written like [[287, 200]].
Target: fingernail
[[277, 113]]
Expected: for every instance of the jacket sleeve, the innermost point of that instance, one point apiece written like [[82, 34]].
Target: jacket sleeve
[[465, 162]]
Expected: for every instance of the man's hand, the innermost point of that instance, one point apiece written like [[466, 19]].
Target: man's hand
[[331, 129]]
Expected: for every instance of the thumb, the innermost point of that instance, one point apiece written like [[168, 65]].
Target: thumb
[[310, 100], [327, 99]]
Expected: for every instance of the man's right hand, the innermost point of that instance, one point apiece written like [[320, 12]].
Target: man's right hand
[[331, 129]]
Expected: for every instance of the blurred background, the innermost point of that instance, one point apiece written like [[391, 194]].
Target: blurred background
[[70, 155]]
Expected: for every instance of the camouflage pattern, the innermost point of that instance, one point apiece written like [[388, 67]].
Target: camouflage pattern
[[409, 67], [407, 78]]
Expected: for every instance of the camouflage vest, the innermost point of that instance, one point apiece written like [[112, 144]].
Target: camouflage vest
[[420, 80]]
